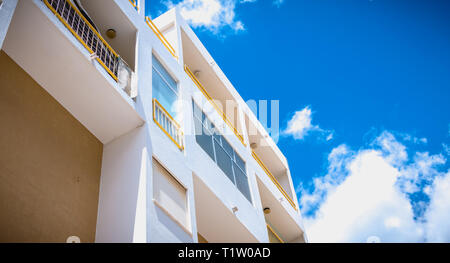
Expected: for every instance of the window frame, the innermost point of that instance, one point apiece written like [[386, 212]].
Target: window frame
[[185, 226], [164, 79], [176, 92]]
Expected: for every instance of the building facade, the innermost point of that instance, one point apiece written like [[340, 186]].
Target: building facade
[[119, 128]]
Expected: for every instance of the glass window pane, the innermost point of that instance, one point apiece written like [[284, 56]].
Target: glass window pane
[[165, 88], [224, 161], [217, 136], [239, 161], [197, 111], [227, 147], [205, 142], [203, 138], [163, 93], [208, 124], [198, 127], [170, 81], [242, 183]]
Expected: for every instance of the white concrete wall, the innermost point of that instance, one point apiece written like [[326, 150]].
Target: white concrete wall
[[6, 13], [126, 167]]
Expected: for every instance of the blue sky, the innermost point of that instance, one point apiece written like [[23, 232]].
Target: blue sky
[[375, 74]]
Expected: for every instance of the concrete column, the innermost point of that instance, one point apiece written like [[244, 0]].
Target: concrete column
[[126, 170]]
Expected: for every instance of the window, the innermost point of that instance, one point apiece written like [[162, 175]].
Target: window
[[218, 148], [170, 195], [165, 88]]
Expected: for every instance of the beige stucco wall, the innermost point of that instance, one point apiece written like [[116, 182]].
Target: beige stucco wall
[[50, 165]]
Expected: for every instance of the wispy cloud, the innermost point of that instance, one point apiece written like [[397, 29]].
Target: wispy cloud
[[212, 15], [368, 192], [300, 126], [410, 138], [216, 16]]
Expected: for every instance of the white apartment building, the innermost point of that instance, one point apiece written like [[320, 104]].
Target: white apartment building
[[117, 128]]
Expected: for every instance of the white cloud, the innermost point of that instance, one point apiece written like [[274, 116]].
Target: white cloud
[[438, 216], [413, 139], [365, 194], [212, 15], [421, 171], [300, 125]]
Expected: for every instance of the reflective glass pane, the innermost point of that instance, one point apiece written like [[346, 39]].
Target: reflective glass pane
[[198, 126], [227, 147], [163, 72], [208, 124], [242, 183], [224, 161], [163, 93], [205, 141], [239, 161], [197, 110]]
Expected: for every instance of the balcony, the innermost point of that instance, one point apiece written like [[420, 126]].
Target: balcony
[[91, 39], [274, 180], [168, 124], [212, 85], [271, 163], [68, 56], [215, 105], [282, 227]]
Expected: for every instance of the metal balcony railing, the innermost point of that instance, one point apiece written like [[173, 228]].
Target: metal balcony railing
[[160, 36], [206, 94], [134, 3], [273, 236], [80, 27], [274, 180], [167, 124]]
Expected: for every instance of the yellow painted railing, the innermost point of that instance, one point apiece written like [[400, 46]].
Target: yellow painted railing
[[168, 124], [274, 180], [160, 36], [210, 99], [270, 229], [80, 27], [134, 3]]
